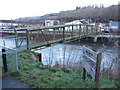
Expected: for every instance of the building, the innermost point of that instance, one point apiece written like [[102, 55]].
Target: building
[[7, 24], [105, 27], [114, 27], [82, 21], [52, 22]]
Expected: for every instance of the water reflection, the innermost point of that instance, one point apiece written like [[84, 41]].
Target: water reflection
[[10, 42], [62, 53], [71, 54]]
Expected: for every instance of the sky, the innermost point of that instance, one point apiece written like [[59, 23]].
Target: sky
[[12, 9]]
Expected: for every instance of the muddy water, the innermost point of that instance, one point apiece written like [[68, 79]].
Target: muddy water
[[71, 53], [10, 42]]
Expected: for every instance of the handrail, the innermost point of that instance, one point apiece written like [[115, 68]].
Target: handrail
[[49, 27]]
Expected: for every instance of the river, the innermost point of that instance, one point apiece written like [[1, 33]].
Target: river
[[71, 53]]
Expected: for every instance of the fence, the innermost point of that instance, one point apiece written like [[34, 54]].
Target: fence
[[8, 60], [91, 64]]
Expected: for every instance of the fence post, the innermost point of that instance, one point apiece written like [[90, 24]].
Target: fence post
[[91, 29], [28, 39], [86, 29], [97, 73], [16, 38], [16, 60], [4, 60], [96, 28], [80, 30], [72, 30], [40, 57], [63, 34], [84, 74]]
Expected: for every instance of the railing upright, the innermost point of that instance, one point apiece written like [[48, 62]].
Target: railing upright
[[28, 39]]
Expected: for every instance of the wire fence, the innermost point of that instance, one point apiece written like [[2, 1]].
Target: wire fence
[[11, 59]]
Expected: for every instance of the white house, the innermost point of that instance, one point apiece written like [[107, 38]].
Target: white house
[[51, 22], [82, 21]]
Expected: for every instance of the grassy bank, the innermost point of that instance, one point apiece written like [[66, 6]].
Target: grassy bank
[[37, 75]]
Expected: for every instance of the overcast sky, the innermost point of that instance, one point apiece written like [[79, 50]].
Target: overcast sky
[[11, 9]]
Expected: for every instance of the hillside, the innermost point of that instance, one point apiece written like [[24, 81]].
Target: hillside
[[95, 13]]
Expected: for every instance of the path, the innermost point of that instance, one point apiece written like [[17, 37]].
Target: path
[[11, 82]]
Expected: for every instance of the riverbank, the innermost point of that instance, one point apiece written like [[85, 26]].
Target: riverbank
[[36, 75]]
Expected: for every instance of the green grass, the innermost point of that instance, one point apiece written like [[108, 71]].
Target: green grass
[[0, 72], [37, 75]]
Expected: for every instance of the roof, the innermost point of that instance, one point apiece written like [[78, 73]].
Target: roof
[[82, 21], [8, 21], [114, 23]]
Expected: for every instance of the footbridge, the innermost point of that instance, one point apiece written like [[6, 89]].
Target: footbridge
[[48, 35], [108, 35]]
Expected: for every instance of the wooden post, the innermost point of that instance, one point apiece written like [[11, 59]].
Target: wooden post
[[91, 29], [86, 29], [63, 34], [97, 73], [80, 30], [72, 31], [28, 39], [16, 38], [96, 28], [40, 57], [84, 74]]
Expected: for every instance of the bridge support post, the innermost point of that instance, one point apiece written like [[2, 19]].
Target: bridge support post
[[72, 31], [92, 29], [16, 38], [86, 29], [28, 39], [80, 30], [63, 34], [96, 29], [95, 38]]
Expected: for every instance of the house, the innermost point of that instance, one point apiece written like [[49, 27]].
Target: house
[[82, 21], [73, 22], [7, 24], [51, 22], [114, 27], [105, 27]]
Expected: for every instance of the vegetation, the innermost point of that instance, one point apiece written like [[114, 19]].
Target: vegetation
[[95, 13], [0, 72], [37, 75]]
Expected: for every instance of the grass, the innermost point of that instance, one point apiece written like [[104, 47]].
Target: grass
[[37, 75], [0, 72]]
